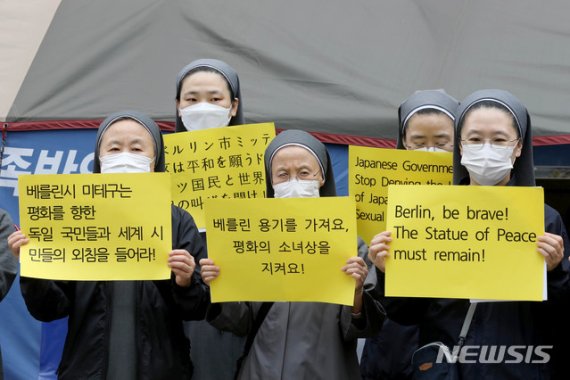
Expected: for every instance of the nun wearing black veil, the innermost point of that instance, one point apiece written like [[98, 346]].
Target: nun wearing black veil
[[493, 147], [426, 123], [300, 340], [8, 263], [208, 95], [126, 329]]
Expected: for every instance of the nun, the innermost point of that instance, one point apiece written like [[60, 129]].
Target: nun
[[425, 123], [8, 264], [300, 340], [126, 329], [207, 96], [493, 147]]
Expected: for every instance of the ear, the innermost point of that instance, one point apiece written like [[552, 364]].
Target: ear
[[235, 105], [177, 106], [518, 149]]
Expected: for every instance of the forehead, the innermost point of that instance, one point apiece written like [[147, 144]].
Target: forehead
[[488, 120], [429, 124], [126, 129], [204, 79], [294, 155]]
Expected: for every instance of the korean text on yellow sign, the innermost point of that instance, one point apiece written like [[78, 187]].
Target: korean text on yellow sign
[[96, 226], [372, 170], [217, 163], [465, 242], [282, 249]]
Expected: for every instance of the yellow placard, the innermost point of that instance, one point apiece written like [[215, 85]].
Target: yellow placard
[[96, 226], [282, 249], [474, 242], [372, 170], [217, 163]]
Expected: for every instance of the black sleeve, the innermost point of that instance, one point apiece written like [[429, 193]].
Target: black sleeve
[[403, 310], [46, 300], [193, 301], [236, 317], [406, 311], [558, 280], [372, 314], [8, 263]]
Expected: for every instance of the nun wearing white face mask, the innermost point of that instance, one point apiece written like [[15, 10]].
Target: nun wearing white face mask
[[133, 146], [311, 165], [126, 329], [493, 143], [208, 95], [493, 147], [300, 340], [8, 264]]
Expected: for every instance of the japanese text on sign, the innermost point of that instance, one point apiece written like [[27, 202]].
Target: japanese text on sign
[[217, 163]]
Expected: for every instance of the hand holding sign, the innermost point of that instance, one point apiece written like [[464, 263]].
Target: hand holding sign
[[379, 249], [459, 241], [282, 250], [16, 240], [182, 264], [82, 227], [357, 269], [551, 246], [209, 271]]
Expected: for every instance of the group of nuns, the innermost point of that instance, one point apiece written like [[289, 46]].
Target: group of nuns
[[143, 329]]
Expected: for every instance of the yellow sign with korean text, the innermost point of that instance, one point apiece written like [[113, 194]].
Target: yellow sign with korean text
[[96, 226], [372, 170], [217, 163], [282, 249], [475, 242]]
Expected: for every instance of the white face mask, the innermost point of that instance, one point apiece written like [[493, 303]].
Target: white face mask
[[125, 163], [487, 165], [205, 115], [430, 149], [297, 189]]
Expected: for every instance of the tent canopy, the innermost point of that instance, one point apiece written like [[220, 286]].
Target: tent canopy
[[324, 66]]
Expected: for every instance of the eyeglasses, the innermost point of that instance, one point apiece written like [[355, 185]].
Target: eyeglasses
[[285, 177], [479, 143]]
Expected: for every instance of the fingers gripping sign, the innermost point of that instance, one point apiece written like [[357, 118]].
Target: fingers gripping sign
[[209, 271], [182, 264], [551, 246], [379, 249], [357, 269], [16, 240]]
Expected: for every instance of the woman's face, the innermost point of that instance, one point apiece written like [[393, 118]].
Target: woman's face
[[429, 130], [127, 135], [295, 162], [206, 86], [491, 125]]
